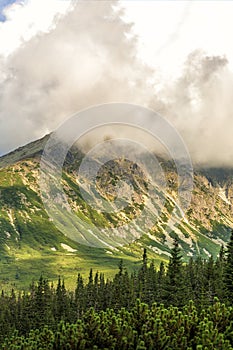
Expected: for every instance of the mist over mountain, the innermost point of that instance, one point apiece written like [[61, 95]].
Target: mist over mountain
[[71, 67]]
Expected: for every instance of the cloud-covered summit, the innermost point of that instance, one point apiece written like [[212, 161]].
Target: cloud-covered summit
[[87, 59], [90, 57]]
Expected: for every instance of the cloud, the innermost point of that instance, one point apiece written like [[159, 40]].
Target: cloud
[[23, 19], [3, 5], [87, 59], [200, 105]]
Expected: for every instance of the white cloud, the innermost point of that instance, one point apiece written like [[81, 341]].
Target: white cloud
[[86, 59], [169, 30], [90, 57], [26, 18]]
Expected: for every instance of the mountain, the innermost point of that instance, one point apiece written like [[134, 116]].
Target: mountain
[[31, 244]]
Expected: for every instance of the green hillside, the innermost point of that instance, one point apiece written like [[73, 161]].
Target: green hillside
[[30, 244]]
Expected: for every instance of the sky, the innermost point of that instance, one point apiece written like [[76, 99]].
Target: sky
[[60, 56], [3, 5]]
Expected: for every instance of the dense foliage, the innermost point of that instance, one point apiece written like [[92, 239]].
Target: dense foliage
[[141, 328], [150, 309]]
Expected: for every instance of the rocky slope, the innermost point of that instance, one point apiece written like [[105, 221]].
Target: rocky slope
[[31, 244]]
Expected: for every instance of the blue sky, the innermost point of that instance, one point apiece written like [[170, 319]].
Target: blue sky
[[3, 4]]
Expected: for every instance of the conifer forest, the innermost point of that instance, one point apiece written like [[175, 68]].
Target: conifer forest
[[178, 306]]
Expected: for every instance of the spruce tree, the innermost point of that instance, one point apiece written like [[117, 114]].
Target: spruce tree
[[228, 270], [219, 271], [174, 286], [160, 282], [117, 288], [90, 288], [143, 278], [61, 301], [80, 298]]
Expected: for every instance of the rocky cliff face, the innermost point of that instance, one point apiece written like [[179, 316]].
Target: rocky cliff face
[[27, 234]]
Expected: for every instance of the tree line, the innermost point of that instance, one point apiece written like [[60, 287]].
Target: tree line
[[171, 287]]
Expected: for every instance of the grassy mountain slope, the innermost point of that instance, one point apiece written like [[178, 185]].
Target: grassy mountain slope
[[31, 244]]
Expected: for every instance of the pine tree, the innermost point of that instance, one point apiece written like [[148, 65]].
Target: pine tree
[[190, 281], [80, 299], [144, 260], [209, 280], [160, 283], [61, 301], [174, 282], [102, 292], [90, 290], [152, 284], [219, 271], [228, 270], [143, 278], [118, 287]]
